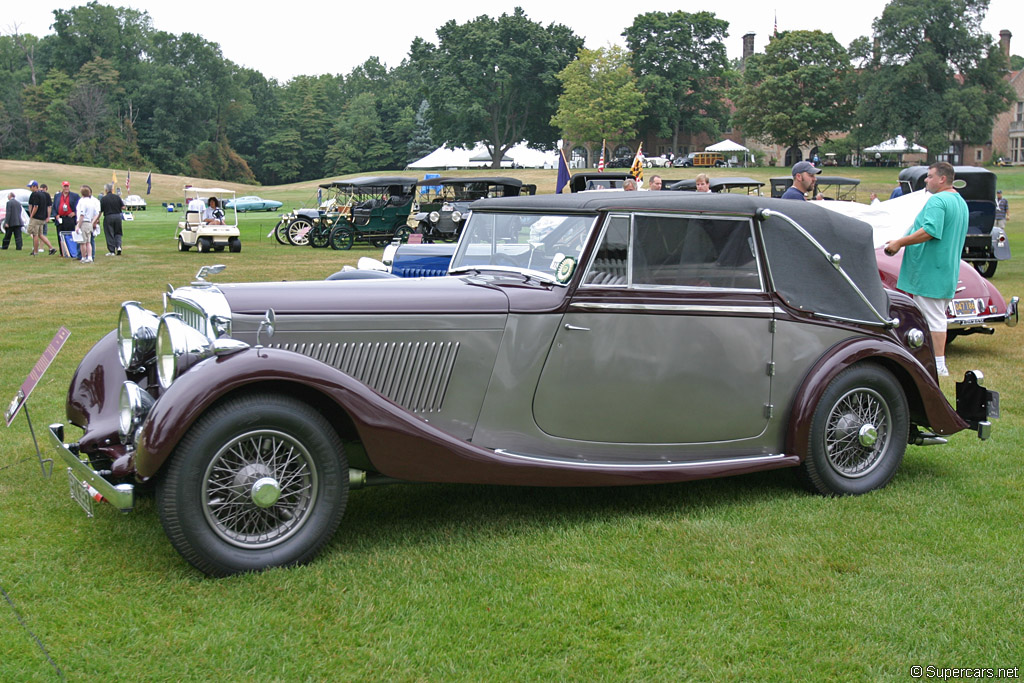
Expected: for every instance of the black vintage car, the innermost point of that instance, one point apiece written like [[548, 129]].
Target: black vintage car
[[986, 244], [729, 184], [444, 203], [829, 186], [597, 181]]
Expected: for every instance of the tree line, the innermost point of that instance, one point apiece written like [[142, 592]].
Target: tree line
[[107, 88]]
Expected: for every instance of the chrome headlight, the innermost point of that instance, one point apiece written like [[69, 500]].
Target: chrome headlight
[[434, 216], [136, 334], [135, 405], [456, 216], [178, 347]]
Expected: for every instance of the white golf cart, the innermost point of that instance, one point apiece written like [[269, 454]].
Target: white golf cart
[[193, 231]]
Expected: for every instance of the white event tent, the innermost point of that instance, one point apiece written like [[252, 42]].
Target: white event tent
[[896, 145], [519, 156], [728, 147]]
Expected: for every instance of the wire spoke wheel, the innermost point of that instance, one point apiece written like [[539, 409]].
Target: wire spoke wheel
[[259, 489], [297, 232], [857, 433]]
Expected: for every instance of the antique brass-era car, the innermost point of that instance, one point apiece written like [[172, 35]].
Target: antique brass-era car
[[596, 339], [444, 202]]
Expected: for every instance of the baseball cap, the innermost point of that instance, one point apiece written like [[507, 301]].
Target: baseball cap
[[32, 183], [999, 191], [65, 184], [805, 167]]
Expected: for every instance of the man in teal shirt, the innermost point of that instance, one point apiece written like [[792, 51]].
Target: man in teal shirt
[[931, 263]]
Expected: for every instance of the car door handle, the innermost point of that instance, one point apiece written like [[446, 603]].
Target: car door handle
[[576, 327]]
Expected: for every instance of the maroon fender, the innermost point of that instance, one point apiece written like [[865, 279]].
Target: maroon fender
[[940, 415], [398, 443], [94, 396]]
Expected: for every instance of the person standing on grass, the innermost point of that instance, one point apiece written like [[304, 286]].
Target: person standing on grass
[[65, 210], [88, 222], [45, 213], [112, 207], [37, 205], [931, 263], [12, 223], [1002, 210]]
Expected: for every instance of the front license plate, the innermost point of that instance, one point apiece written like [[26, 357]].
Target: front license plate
[[80, 492], [964, 307]]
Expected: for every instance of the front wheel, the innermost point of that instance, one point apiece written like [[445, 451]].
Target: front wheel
[[402, 233], [858, 433], [181, 244], [281, 232], [204, 245], [986, 268], [234, 245], [342, 237], [259, 481]]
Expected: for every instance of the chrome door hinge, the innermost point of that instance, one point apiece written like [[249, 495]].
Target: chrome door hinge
[[769, 411], [771, 369]]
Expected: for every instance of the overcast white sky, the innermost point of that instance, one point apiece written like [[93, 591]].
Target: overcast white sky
[[283, 39]]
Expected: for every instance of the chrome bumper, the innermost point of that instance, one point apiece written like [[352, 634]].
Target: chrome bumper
[[1010, 318], [121, 496]]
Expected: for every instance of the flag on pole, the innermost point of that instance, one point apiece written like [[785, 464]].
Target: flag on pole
[[776, 24], [113, 177], [149, 183], [637, 169], [563, 172], [128, 182], [600, 162]]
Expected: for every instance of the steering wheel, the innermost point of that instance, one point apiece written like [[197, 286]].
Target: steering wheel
[[503, 259]]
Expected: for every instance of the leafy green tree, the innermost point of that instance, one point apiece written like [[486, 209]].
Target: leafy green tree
[[46, 112], [682, 67], [119, 34], [494, 80], [600, 99], [359, 144], [939, 76], [1016, 62], [797, 91]]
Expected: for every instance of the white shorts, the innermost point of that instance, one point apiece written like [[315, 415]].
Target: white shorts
[[934, 312]]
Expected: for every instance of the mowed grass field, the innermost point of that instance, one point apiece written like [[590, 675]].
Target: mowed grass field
[[748, 578]]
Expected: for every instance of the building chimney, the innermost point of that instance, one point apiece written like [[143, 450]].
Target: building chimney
[[748, 46], [1004, 43]]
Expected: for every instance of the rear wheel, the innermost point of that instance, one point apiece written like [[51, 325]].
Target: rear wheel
[[281, 232], [986, 268], [204, 245], [259, 481], [858, 433], [297, 232], [235, 245]]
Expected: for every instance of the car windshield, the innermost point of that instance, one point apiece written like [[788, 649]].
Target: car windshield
[[535, 244]]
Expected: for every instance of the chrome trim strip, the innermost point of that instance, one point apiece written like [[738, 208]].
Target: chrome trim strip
[[121, 496], [749, 460], [682, 308]]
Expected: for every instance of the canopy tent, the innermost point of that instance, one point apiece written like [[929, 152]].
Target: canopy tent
[[728, 146], [896, 145], [520, 156]]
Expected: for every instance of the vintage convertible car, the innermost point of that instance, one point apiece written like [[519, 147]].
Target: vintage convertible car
[[597, 339], [445, 201]]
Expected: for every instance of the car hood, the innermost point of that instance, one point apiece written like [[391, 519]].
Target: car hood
[[454, 295]]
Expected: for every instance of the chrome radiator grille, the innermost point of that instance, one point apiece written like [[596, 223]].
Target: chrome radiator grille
[[189, 315], [412, 374]]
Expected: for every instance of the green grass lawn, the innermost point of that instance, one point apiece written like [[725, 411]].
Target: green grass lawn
[[748, 578]]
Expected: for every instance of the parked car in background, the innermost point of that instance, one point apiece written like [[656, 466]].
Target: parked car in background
[[828, 186], [254, 203], [986, 245], [22, 195], [444, 202], [701, 160], [581, 182], [657, 162], [134, 202], [599, 339], [726, 184]]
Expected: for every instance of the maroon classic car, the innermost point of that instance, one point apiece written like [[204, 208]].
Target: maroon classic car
[[593, 339]]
